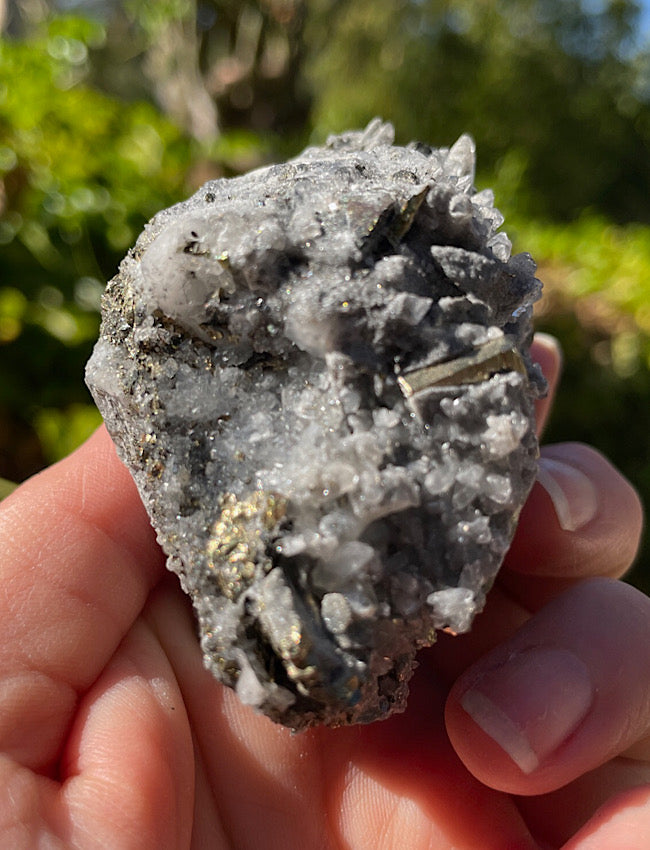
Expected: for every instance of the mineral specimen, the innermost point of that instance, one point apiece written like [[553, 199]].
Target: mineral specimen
[[318, 374]]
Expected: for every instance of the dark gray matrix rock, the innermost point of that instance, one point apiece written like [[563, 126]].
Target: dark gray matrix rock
[[318, 374]]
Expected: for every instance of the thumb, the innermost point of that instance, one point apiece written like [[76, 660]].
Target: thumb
[[569, 691]]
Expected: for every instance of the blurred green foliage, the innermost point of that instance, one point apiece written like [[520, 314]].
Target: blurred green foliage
[[80, 171], [124, 107], [548, 90], [6, 487]]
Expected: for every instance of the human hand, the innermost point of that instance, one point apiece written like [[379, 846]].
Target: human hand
[[114, 736]]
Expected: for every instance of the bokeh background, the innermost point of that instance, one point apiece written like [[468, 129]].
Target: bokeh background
[[111, 110]]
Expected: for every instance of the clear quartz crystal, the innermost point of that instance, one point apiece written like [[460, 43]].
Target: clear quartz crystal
[[318, 374]]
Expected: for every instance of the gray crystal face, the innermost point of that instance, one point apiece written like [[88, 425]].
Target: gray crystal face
[[318, 374]]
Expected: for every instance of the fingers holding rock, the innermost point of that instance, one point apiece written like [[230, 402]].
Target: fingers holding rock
[[568, 692]]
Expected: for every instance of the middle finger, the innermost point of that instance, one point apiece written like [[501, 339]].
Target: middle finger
[[582, 519]]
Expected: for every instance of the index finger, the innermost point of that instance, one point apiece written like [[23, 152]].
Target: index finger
[[78, 560]]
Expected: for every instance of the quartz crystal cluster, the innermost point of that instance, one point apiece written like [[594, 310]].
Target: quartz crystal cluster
[[318, 374]]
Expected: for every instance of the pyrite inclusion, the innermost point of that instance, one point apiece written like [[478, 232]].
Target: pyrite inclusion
[[318, 374]]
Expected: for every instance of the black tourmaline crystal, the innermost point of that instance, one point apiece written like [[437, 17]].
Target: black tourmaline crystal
[[318, 374]]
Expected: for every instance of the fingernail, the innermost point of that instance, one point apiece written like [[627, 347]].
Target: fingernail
[[531, 704], [550, 343], [572, 493]]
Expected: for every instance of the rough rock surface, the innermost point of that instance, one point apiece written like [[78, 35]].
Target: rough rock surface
[[318, 374]]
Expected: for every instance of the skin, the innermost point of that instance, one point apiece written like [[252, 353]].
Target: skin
[[113, 735]]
